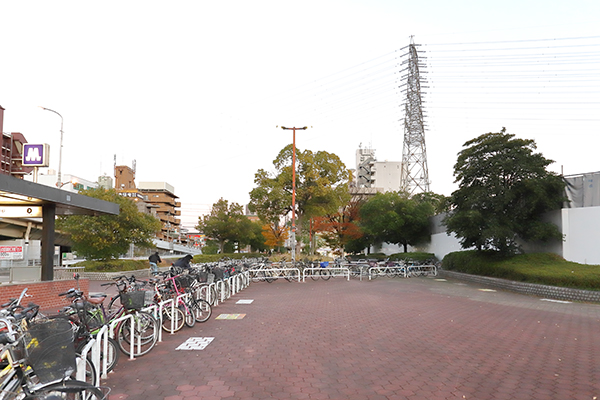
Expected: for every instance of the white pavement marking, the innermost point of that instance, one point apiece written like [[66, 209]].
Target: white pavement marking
[[557, 301], [244, 302], [195, 343]]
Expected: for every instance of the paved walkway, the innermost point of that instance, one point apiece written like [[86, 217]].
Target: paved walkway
[[418, 338]]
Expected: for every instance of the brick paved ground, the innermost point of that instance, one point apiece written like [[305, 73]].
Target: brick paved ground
[[418, 338]]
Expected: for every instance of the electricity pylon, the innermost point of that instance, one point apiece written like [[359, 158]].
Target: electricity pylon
[[414, 176]]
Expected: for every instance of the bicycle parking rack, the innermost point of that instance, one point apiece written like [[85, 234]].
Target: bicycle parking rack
[[132, 342], [275, 273], [419, 270], [345, 272], [99, 345], [383, 270]]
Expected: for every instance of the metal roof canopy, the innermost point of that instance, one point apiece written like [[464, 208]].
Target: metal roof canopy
[[32, 198]]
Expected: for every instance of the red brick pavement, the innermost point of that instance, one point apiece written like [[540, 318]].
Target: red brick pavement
[[417, 338]]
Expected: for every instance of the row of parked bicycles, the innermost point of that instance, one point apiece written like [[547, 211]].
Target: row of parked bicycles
[[63, 356], [263, 270]]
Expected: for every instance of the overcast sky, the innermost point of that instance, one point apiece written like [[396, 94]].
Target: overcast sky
[[193, 90]]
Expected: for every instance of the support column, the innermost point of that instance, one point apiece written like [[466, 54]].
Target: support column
[[48, 216]]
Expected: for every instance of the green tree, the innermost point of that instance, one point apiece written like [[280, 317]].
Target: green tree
[[321, 187], [226, 223], [109, 236], [504, 188], [254, 238], [394, 217]]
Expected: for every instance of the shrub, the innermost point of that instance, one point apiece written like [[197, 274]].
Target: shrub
[[541, 268]]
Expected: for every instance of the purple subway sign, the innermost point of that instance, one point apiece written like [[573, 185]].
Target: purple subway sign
[[36, 155]]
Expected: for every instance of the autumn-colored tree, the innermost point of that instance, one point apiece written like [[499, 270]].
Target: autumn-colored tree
[[275, 235], [339, 228]]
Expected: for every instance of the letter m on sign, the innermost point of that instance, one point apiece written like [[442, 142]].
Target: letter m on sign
[[35, 155]]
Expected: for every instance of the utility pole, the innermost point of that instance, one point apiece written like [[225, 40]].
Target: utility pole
[[414, 174], [293, 235], [59, 181]]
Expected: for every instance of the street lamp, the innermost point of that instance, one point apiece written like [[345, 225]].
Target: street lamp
[[58, 182], [293, 235]]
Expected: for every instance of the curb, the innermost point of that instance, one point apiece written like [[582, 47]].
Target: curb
[[533, 289]]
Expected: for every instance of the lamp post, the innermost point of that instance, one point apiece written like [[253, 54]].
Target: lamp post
[[293, 235], [58, 182]]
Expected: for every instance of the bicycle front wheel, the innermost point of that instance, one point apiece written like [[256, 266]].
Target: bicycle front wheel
[[201, 310], [325, 275], [190, 320], [71, 390], [145, 334], [172, 321], [112, 357]]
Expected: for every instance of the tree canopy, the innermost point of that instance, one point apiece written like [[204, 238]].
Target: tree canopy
[[227, 223], [504, 188], [321, 186], [109, 236], [394, 217]]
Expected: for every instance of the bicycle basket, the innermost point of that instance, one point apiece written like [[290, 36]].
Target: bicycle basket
[[184, 281], [50, 348], [202, 276], [148, 297], [133, 300]]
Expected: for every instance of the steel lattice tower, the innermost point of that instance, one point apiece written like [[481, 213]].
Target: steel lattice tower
[[414, 176]]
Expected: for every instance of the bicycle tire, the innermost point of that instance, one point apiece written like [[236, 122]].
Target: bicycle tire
[[145, 326], [314, 275], [113, 306], [269, 276], [69, 389], [291, 276], [210, 295], [374, 273], [113, 350], [190, 319], [167, 316], [227, 289], [201, 310], [325, 275], [90, 371]]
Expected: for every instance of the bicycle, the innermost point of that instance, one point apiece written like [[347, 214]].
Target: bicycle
[[38, 361], [196, 310], [95, 315], [320, 273]]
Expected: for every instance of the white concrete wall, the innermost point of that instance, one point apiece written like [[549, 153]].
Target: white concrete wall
[[442, 244], [581, 227]]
